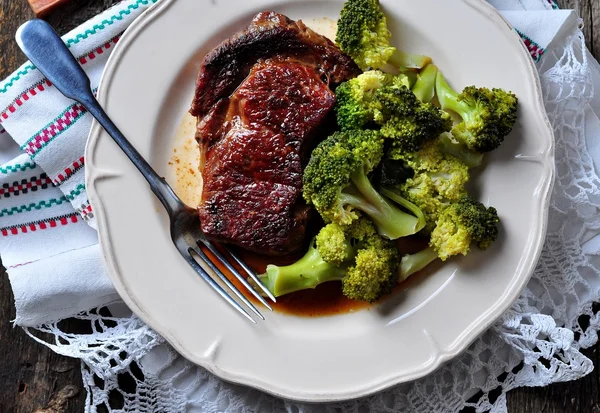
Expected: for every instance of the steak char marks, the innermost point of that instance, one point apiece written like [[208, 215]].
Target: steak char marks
[[261, 97]]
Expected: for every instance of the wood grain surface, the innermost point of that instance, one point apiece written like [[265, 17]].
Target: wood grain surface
[[33, 377]]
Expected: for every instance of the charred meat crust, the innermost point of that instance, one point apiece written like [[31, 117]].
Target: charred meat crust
[[269, 35]]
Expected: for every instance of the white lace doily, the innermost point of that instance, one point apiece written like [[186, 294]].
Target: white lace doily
[[536, 343]]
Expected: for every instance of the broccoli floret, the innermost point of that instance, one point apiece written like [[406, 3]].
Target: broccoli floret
[[459, 225], [306, 273], [336, 183], [487, 116], [462, 223], [376, 98], [334, 245], [438, 180], [337, 243], [406, 121], [362, 33], [355, 254], [373, 273], [354, 107]]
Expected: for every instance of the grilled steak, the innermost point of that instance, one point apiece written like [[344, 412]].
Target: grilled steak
[[261, 98]]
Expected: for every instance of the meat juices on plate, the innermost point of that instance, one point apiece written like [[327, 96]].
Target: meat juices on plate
[[263, 98]]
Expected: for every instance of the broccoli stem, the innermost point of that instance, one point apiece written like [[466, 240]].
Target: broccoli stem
[[405, 203], [402, 60], [391, 222], [424, 87], [306, 273], [411, 78], [413, 263], [448, 98], [460, 151]]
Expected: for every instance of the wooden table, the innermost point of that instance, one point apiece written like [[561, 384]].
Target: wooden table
[[31, 375]]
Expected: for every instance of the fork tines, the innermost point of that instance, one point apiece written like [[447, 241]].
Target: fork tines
[[242, 279]]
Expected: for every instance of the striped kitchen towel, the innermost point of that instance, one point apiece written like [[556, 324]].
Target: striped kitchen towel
[[48, 241]]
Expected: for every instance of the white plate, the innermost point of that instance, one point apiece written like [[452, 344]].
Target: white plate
[[147, 88]]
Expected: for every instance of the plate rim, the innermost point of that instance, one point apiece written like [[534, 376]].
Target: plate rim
[[462, 342]]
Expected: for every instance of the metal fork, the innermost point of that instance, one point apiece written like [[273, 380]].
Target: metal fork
[[49, 54]]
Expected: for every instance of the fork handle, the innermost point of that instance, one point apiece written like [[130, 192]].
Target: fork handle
[[46, 50], [158, 185]]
